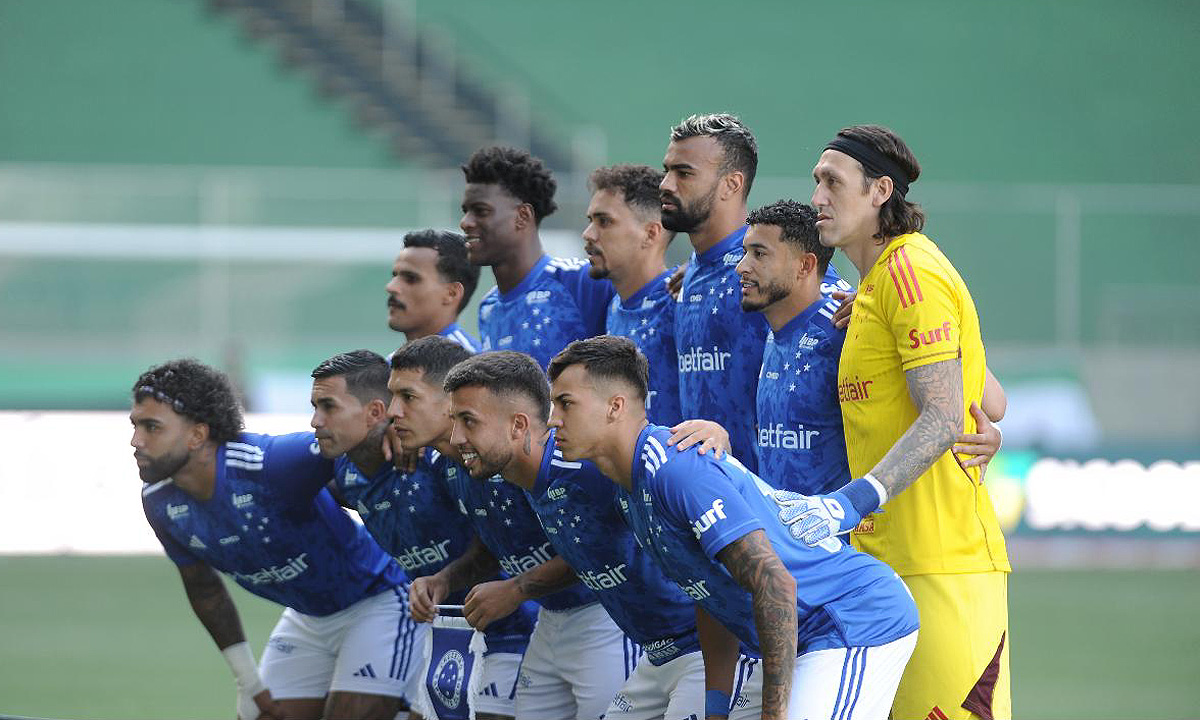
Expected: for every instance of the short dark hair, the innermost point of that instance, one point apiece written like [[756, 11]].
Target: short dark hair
[[637, 184], [366, 374], [452, 263], [797, 223], [503, 373], [898, 216], [522, 175], [737, 142], [196, 391], [433, 355], [611, 357]]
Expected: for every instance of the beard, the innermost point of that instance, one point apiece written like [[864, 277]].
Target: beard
[[163, 467], [597, 273], [688, 218], [490, 463], [772, 293]]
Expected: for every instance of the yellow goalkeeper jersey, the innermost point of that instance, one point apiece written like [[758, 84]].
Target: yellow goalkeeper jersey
[[913, 309]]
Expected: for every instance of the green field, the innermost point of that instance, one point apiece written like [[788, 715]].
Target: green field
[[114, 638]]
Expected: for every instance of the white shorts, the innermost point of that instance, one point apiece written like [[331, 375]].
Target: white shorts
[[575, 663], [857, 683], [498, 690], [671, 691], [371, 647]]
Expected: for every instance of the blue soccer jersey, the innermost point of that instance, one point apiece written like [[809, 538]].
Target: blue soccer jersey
[[648, 318], [800, 442], [578, 508], [273, 527], [509, 528], [555, 304], [417, 518], [686, 507], [720, 347], [454, 332]]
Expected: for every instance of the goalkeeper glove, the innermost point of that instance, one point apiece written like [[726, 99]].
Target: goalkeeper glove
[[815, 518]]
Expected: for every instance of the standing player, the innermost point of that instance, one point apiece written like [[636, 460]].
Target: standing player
[[626, 243], [432, 282], [834, 627], [912, 363], [413, 515], [578, 507], [710, 165], [539, 303], [255, 507]]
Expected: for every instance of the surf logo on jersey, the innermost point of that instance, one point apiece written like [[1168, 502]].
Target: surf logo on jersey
[[243, 500], [175, 512], [517, 564], [536, 297], [419, 556], [854, 390], [778, 436], [929, 337], [276, 573], [698, 359], [605, 579], [709, 518], [697, 590]]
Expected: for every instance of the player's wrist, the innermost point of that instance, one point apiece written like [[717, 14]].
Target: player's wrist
[[245, 670], [716, 703], [864, 495]]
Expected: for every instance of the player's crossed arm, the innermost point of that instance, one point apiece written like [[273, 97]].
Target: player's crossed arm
[[215, 609]]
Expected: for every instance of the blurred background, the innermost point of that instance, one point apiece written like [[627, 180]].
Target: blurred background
[[230, 180]]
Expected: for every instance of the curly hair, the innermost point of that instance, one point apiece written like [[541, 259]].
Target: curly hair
[[452, 263], [197, 392], [522, 175], [737, 142], [504, 373], [797, 223], [898, 216]]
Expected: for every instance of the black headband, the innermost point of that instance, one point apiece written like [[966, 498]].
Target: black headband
[[872, 160]]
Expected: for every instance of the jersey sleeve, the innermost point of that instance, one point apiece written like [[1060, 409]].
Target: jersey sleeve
[[698, 495], [593, 296], [924, 309], [294, 464], [175, 550]]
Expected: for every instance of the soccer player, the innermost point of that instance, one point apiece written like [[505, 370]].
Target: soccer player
[[413, 515], [834, 627], [539, 303], [709, 166], [912, 363], [578, 507], [626, 243], [255, 507], [432, 282]]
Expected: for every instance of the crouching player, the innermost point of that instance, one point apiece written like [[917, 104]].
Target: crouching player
[[834, 627], [255, 507]]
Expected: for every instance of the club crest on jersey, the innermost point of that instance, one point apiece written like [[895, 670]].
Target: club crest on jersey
[[243, 501], [175, 512], [709, 518]]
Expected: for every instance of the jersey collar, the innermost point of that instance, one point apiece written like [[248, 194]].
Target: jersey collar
[[801, 321], [731, 242], [658, 283]]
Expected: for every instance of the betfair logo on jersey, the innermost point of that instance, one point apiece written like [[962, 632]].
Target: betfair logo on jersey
[[558, 493], [537, 296], [697, 590], [175, 512], [698, 359], [418, 557], [242, 501], [605, 579], [709, 518], [929, 337], [517, 564], [276, 573], [778, 436], [854, 390]]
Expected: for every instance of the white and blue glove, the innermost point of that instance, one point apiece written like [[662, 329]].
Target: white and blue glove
[[813, 519]]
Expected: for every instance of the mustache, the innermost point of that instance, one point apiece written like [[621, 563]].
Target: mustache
[[668, 197], [394, 303]]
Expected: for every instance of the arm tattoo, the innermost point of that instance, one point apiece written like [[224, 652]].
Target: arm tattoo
[[212, 604], [547, 578], [474, 566], [937, 391], [754, 565]]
